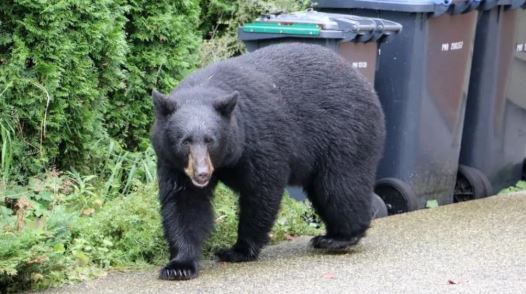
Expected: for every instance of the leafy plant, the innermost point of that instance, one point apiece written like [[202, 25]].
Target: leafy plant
[[520, 186]]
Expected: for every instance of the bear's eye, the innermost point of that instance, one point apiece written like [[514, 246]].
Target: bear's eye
[[187, 141], [209, 140]]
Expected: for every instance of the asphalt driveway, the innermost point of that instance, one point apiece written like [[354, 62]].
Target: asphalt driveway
[[472, 247]]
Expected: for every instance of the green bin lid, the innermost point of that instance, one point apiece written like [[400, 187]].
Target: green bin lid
[[313, 24], [310, 29]]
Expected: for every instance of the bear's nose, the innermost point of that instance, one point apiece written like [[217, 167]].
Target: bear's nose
[[202, 174]]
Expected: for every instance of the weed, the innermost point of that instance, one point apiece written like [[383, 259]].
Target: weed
[[6, 155], [520, 186]]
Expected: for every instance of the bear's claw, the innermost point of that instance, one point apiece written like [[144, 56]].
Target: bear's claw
[[177, 270]]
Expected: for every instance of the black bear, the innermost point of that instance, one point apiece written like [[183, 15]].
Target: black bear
[[286, 114]]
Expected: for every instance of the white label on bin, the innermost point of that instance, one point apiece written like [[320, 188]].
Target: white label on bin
[[359, 64], [521, 47], [457, 45], [452, 46]]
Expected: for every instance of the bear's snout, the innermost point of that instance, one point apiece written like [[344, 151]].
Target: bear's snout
[[199, 168]]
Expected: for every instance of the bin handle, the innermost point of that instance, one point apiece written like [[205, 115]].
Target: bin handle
[[466, 6], [350, 32], [379, 32]]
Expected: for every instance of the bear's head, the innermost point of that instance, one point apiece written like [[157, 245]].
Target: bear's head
[[194, 131]]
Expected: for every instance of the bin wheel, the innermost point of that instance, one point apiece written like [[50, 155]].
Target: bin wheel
[[486, 182], [397, 195], [378, 207], [471, 184]]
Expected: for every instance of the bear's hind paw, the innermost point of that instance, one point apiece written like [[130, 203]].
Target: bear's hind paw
[[333, 244], [233, 255]]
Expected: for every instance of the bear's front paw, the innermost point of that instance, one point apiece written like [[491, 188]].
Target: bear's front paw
[[235, 255], [178, 270], [334, 244]]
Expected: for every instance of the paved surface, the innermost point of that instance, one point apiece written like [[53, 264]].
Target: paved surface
[[472, 247]]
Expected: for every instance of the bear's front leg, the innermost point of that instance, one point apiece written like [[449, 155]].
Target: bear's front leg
[[187, 219], [259, 205]]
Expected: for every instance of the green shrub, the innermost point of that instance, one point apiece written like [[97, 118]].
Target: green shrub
[[58, 62], [73, 72], [164, 43]]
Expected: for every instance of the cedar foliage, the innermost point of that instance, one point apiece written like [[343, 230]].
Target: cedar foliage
[[75, 72]]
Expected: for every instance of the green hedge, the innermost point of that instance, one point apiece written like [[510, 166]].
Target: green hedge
[[163, 42], [73, 72]]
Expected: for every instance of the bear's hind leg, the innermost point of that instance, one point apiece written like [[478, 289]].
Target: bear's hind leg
[[342, 198]]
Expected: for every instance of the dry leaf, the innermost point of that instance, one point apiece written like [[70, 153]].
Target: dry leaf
[[329, 276], [87, 212], [20, 207]]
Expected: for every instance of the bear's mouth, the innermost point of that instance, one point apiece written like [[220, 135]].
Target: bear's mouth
[[200, 183]]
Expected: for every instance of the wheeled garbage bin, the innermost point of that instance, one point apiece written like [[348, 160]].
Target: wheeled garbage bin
[[494, 137], [422, 81]]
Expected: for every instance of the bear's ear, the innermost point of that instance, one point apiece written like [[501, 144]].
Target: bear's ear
[[226, 104], [161, 104]]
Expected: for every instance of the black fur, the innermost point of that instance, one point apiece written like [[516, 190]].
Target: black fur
[[285, 114]]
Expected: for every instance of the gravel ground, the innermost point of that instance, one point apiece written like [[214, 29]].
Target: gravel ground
[[472, 247]]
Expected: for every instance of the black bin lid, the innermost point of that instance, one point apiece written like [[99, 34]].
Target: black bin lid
[[435, 7], [511, 4]]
